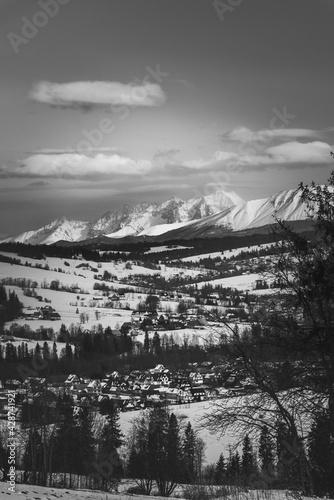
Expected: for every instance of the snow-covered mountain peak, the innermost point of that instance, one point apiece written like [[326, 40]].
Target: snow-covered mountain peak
[[209, 215]]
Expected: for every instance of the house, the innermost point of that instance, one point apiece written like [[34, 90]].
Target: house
[[94, 386], [72, 379], [198, 393], [196, 378], [54, 316]]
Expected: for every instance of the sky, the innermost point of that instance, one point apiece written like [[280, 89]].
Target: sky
[[112, 102]]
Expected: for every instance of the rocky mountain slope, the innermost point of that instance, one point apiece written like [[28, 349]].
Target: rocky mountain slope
[[213, 215]]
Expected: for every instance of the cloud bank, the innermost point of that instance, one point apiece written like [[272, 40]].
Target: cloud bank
[[89, 95], [76, 166], [245, 135]]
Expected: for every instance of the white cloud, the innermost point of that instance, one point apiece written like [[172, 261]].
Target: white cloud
[[219, 156], [55, 151], [76, 166], [289, 154], [246, 135], [296, 152], [88, 95]]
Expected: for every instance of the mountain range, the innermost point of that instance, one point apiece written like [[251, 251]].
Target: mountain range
[[213, 215]]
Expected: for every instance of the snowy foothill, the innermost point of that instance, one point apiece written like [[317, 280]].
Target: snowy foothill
[[226, 253]]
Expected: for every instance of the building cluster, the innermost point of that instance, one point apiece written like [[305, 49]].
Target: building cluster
[[137, 390]]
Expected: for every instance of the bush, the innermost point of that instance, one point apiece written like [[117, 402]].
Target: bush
[[202, 492]]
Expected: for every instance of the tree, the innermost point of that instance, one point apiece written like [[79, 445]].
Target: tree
[[146, 342], [220, 470], [152, 302], [85, 441], [297, 328], [111, 439], [321, 455], [155, 451], [156, 346], [138, 464], [248, 462], [188, 454], [266, 453]]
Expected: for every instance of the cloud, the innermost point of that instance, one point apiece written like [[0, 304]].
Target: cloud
[[71, 150], [292, 154], [38, 184], [76, 166], [89, 95], [296, 152], [218, 157], [166, 153], [246, 135]]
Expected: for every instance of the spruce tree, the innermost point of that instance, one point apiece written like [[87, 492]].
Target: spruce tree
[[220, 470], [110, 441], [188, 455], [321, 455], [146, 342], [248, 463], [266, 452]]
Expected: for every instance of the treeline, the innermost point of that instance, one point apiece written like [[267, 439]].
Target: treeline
[[73, 446], [100, 252], [66, 445], [93, 354], [10, 306]]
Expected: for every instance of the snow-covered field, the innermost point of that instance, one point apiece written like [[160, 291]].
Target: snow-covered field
[[31, 492], [226, 253]]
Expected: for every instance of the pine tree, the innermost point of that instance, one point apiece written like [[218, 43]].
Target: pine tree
[[85, 441], [110, 441], [65, 440], [321, 455], [188, 455], [266, 452], [248, 462], [220, 470], [173, 450], [156, 346], [146, 342], [233, 469], [54, 353], [68, 352], [46, 351]]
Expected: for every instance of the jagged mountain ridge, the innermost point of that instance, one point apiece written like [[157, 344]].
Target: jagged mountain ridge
[[132, 220], [285, 205]]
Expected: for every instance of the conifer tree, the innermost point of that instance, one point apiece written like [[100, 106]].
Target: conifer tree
[[110, 441], [321, 455], [188, 455], [266, 452], [248, 462], [220, 470]]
